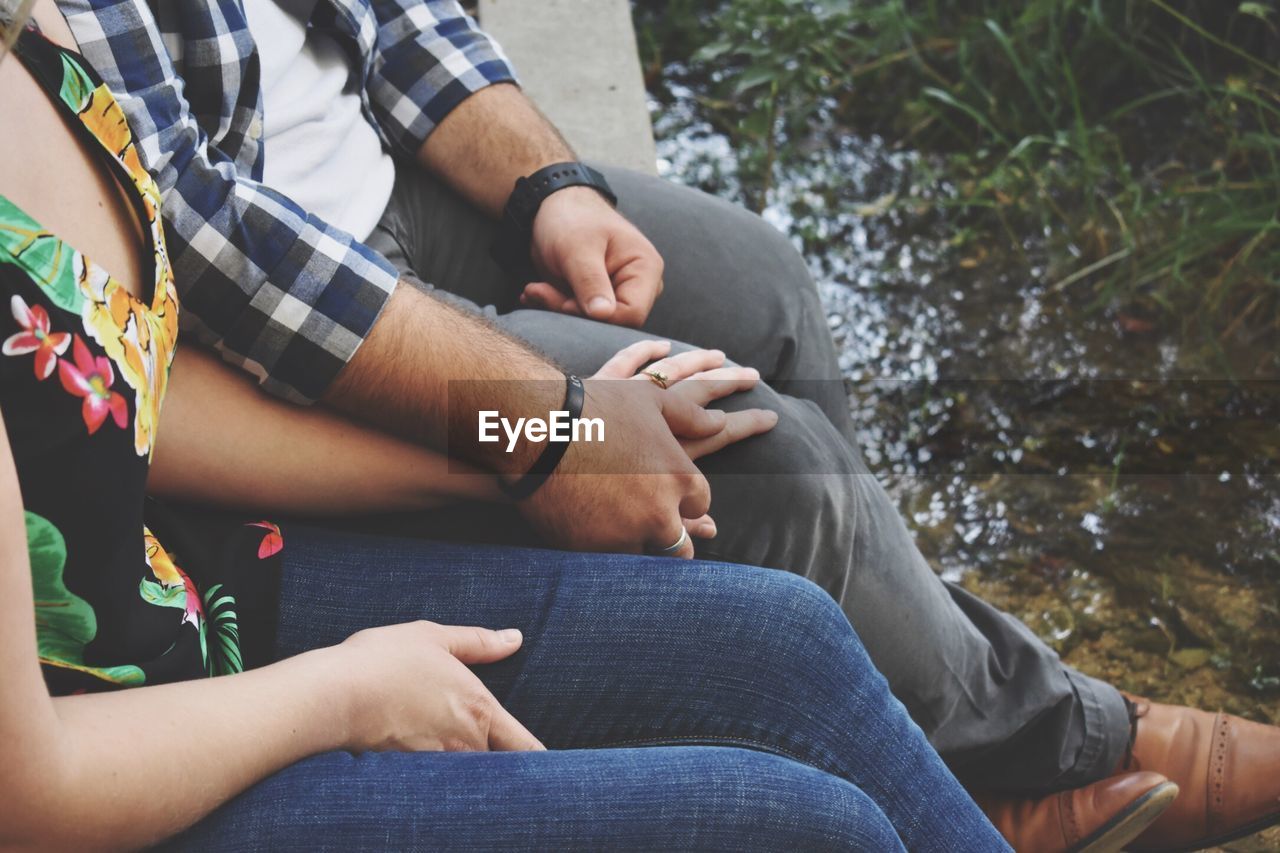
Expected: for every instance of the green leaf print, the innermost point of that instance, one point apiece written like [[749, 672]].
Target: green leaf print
[[65, 623], [221, 619], [161, 595], [219, 628], [52, 263], [77, 88]]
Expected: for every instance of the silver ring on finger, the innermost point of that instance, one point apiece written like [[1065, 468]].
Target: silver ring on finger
[[672, 550]]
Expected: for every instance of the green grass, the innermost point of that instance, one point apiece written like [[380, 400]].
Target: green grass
[[1141, 136]]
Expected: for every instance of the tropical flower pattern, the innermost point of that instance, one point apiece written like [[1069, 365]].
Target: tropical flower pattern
[[107, 347], [65, 623], [92, 378], [102, 115], [173, 588], [35, 337], [138, 337], [45, 258], [220, 645], [272, 543]]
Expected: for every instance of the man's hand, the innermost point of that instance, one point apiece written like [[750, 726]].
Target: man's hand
[[637, 489], [597, 264], [700, 376], [633, 491]]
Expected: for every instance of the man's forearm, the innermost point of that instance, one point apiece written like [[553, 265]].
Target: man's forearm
[[489, 140], [427, 368], [227, 443]]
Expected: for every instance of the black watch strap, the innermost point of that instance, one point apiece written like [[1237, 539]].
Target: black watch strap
[[515, 232], [545, 464]]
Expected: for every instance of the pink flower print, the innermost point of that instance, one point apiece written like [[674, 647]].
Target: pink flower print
[[272, 543], [35, 337], [91, 379]]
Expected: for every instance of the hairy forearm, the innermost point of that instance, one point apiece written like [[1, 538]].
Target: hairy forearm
[[225, 442], [427, 368], [128, 768], [489, 140]]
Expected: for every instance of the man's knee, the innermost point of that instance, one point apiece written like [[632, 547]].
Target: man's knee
[[789, 497], [716, 254], [721, 229]]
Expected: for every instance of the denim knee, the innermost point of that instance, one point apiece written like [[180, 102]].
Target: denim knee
[[793, 606], [688, 798], [792, 626], [750, 800]]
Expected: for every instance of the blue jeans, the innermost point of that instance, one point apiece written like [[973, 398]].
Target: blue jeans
[[684, 705]]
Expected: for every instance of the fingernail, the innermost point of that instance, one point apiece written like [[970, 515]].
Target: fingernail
[[771, 415], [707, 530], [599, 305], [510, 635], [753, 373]]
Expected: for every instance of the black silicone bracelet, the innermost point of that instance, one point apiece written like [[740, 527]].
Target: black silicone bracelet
[[545, 465]]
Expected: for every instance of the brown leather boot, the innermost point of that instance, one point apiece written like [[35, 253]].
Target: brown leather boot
[[1098, 818], [1228, 770]]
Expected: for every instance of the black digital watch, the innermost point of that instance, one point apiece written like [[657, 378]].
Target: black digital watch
[[515, 233]]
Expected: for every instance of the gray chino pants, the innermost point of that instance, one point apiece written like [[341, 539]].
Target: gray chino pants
[[995, 701]]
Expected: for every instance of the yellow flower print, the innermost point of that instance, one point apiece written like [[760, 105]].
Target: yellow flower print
[[138, 338], [101, 114], [140, 341]]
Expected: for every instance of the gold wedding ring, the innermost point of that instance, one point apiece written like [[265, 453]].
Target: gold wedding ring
[[657, 377]]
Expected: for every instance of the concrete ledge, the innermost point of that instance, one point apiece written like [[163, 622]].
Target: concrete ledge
[[578, 61]]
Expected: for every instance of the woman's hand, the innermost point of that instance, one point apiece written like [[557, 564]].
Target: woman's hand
[[699, 376], [412, 690]]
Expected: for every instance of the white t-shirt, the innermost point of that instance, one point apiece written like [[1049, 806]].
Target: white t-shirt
[[319, 149]]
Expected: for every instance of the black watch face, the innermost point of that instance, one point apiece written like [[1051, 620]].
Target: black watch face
[[525, 204]]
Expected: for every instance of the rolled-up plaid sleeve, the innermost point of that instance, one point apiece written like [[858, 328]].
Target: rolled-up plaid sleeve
[[430, 56], [276, 291]]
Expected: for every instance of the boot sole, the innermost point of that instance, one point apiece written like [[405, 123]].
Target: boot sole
[[1240, 832], [1112, 836]]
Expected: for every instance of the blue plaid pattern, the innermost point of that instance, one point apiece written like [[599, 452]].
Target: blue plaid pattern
[[277, 291]]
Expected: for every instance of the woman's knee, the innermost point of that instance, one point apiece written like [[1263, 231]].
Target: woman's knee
[[760, 801], [686, 798], [774, 620]]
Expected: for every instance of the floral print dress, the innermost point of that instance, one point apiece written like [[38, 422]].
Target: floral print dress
[[83, 369]]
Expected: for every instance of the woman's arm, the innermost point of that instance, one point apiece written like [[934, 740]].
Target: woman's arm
[[128, 768], [223, 441], [131, 766]]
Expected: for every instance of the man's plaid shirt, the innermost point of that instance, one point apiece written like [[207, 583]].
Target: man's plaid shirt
[[278, 291]]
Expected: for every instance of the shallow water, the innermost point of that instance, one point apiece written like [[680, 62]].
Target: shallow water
[[1112, 480]]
